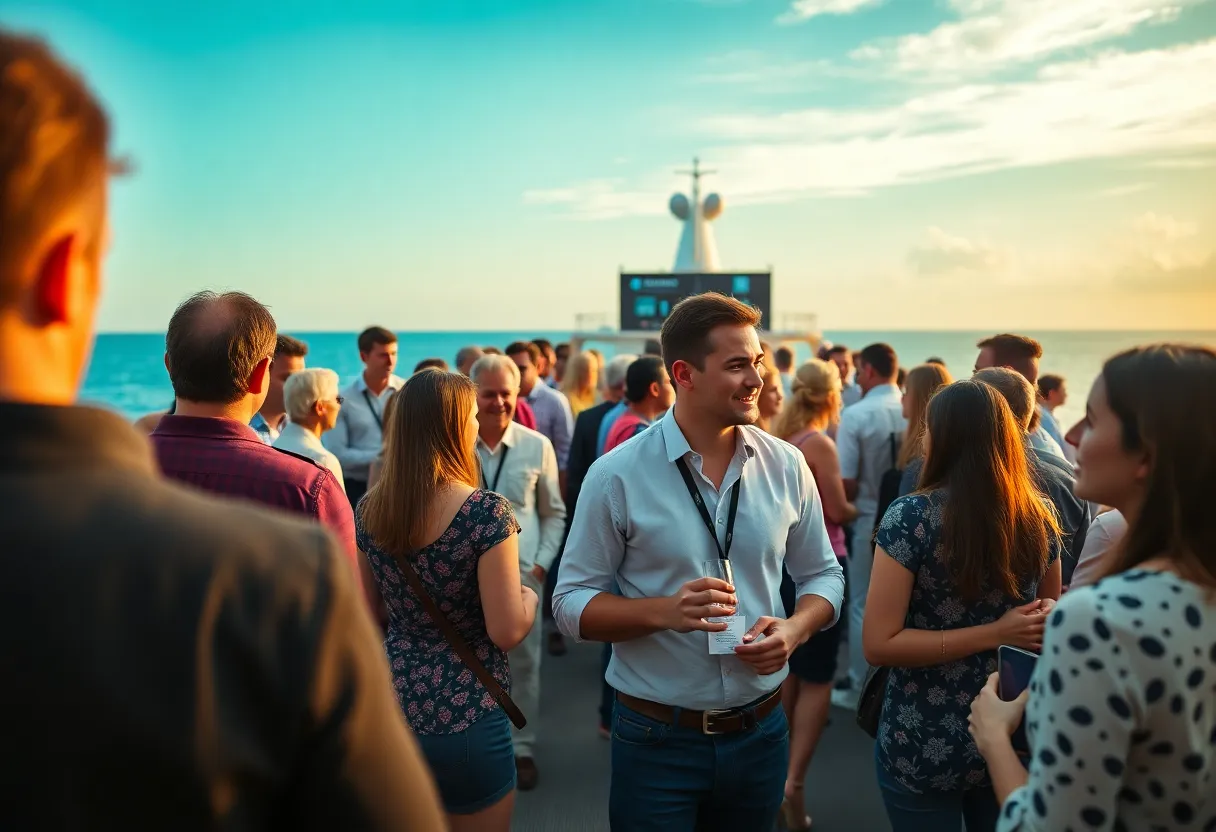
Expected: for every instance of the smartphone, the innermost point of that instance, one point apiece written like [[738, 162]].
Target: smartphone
[[1014, 668]]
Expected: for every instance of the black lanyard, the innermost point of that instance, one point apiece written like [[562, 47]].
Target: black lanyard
[[506, 449], [367, 398], [699, 501]]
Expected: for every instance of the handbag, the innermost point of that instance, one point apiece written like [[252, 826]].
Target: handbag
[[869, 704], [461, 646]]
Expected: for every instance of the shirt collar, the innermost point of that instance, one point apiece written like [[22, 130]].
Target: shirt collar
[[300, 436], [43, 437], [508, 438], [395, 382], [677, 444], [883, 391], [205, 427]]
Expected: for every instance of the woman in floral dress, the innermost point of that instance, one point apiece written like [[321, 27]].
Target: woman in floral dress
[[426, 510], [966, 563]]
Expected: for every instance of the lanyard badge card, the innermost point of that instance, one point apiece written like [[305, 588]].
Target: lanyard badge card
[[725, 642]]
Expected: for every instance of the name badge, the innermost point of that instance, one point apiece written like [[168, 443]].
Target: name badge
[[725, 642]]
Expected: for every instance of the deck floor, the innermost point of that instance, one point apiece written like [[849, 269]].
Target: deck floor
[[574, 761]]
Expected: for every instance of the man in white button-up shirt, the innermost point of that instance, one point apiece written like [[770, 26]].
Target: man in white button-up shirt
[[868, 441], [521, 465], [359, 434], [634, 573]]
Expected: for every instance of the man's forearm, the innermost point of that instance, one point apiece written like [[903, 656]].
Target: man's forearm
[[609, 617], [811, 614]]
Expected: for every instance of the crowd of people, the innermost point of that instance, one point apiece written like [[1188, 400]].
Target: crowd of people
[[284, 602]]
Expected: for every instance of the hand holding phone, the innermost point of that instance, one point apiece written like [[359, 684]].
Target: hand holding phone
[[1014, 668]]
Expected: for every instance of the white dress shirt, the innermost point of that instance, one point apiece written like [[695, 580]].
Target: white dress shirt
[[306, 443], [357, 437], [637, 528], [863, 441], [529, 481]]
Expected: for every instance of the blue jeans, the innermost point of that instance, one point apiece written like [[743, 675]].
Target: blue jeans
[[669, 778], [936, 811]]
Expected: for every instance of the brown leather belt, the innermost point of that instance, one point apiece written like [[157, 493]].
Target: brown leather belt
[[728, 721]]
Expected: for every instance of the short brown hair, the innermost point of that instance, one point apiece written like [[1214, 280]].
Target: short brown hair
[[1049, 384], [1015, 389], [54, 145], [374, 335], [530, 347], [286, 346], [882, 359], [1015, 351], [214, 342], [685, 333]]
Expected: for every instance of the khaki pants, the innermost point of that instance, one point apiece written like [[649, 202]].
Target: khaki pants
[[525, 678]]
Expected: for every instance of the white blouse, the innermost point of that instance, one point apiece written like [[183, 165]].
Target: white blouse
[[1122, 711]]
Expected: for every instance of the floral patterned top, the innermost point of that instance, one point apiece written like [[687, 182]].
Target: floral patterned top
[[923, 740], [437, 692]]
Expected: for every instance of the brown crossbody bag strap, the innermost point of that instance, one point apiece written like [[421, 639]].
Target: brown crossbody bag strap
[[461, 646]]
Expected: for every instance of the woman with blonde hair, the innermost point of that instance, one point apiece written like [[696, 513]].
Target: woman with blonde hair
[[923, 382], [814, 403], [772, 395], [426, 515], [580, 381]]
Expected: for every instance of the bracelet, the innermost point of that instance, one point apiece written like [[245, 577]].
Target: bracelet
[[943, 643]]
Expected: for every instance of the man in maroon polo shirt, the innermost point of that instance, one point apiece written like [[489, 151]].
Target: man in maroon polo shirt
[[219, 350]]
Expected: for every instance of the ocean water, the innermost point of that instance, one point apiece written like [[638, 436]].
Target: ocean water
[[128, 374]]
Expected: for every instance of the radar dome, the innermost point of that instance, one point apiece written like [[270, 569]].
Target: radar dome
[[713, 206], [679, 206]]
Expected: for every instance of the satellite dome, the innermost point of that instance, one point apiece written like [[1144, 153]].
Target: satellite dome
[[679, 206], [713, 206]]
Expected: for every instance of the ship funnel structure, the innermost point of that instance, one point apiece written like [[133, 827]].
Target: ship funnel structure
[[698, 253]]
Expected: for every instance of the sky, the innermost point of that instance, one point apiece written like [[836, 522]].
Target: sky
[[898, 164]]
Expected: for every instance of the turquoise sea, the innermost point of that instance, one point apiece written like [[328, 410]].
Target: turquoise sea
[[128, 373]]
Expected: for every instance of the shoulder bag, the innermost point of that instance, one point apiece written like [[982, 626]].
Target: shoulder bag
[[462, 648]]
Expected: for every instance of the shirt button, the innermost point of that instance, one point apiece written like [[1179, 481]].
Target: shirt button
[[719, 521]]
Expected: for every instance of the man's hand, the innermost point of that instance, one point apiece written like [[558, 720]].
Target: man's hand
[[770, 654], [698, 600], [539, 573]]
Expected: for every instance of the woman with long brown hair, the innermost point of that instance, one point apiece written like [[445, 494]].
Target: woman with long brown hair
[[961, 566], [922, 383], [426, 513], [1126, 680], [813, 405]]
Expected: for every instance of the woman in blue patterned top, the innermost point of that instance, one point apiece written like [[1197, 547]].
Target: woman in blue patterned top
[[968, 562], [463, 543]]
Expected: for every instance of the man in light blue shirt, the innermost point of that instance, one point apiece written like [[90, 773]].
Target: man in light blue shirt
[[638, 528], [1020, 354]]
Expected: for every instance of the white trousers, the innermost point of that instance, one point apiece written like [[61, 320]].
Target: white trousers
[[525, 677]]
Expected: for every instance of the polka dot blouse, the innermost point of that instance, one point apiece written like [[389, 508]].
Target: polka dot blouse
[[1122, 711]]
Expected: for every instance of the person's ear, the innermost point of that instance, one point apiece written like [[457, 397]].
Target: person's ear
[[260, 377], [54, 287], [682, 374], [655, 390]]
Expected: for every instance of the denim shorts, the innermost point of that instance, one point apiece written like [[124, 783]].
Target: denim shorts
[[475, 768]]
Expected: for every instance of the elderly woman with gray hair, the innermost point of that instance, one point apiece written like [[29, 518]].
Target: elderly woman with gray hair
[[312, 402]]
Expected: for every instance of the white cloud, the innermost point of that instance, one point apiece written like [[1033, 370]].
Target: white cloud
[[1125, 190], [1111, 106], [1164, 227], [801, 10], [600, 199], [943, 254], [1183, 163], [992, 34]]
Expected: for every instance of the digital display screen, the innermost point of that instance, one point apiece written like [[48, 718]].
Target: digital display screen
[[647, 299]]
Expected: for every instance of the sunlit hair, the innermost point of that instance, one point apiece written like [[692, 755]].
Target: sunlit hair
[[1165, 397], [304, 389], [814, 396], [923, 381], [998, 529], [580, 381], [429, 444]]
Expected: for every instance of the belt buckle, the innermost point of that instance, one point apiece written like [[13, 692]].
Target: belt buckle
[[706, 716]]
